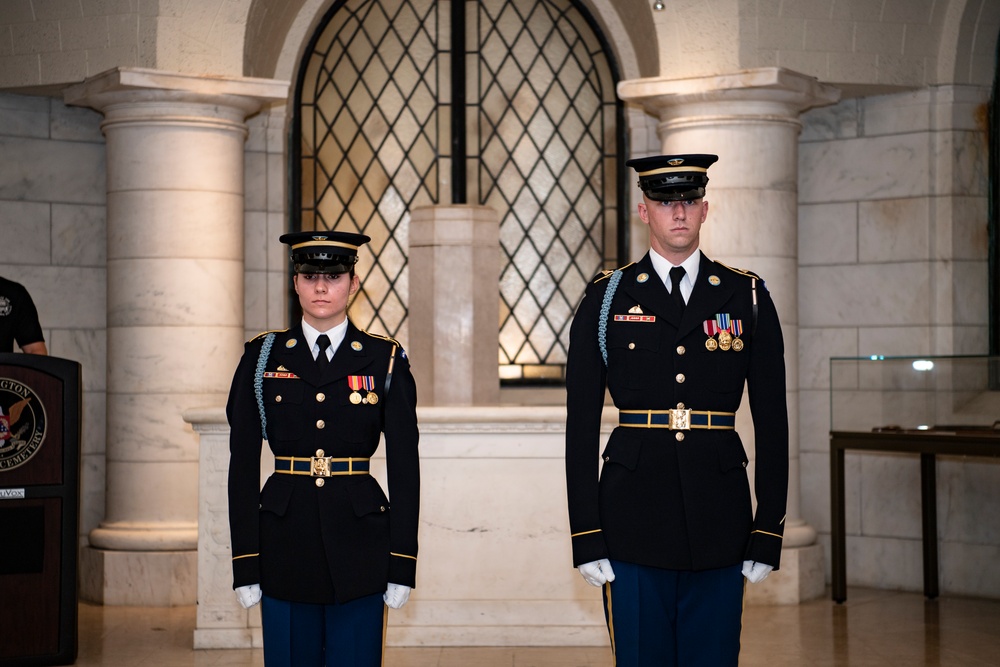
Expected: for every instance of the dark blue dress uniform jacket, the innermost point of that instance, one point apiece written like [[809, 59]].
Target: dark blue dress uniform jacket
[[342, 540], [662, 502]]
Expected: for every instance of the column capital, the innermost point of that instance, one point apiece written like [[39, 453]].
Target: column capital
[[767, 91], [122, 89]]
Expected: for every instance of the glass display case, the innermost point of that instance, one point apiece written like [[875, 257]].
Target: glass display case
[[873, 394], [919, 405]]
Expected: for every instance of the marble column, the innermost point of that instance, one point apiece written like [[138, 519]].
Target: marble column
[[751, 120], [175, 312], [454, 304]]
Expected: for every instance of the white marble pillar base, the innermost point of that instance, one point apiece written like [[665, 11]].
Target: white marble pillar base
[[799, 579], [139, 578]]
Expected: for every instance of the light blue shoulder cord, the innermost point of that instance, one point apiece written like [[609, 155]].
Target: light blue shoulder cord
[[258, 380], [602, 325]]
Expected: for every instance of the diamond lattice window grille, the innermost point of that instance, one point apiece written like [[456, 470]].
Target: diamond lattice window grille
[[543, 150]]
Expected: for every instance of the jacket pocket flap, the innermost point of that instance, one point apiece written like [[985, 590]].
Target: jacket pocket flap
[[368, 498], [623, 452], [731, 455], [275, 497]]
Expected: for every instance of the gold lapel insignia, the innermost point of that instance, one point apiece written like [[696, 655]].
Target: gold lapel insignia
[[291, 343], [356, 346], [642, 277], [714, 281]]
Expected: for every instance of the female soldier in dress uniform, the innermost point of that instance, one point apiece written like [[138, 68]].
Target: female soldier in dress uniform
[[321, 542]]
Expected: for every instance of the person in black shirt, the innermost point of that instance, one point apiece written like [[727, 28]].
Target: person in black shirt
[[19, 320]]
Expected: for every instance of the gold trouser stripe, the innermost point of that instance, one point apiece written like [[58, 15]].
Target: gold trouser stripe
[[764, 532], [611, 622], [385, 621], [393, 553], [245, 556], [586, 532]]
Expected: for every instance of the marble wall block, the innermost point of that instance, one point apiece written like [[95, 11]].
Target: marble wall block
[[895, 341], [900, 113], [79, 235], [24, 116], [833, 297], [894, 230], [960, 161], [26, 234], [963, 232], [74, 123], [828, 234], [42, 170], [816, 347], [890, 167]]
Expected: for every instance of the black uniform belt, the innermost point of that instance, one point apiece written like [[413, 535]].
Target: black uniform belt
[[677, 420], [320, 466]]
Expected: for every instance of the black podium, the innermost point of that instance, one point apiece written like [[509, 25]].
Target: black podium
[[40, 399]]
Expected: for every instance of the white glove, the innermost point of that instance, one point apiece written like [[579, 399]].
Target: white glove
[[248, 596], [396, 595], [597, 572], [756, 572]]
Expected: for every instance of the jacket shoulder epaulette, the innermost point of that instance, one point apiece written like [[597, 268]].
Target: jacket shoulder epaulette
[[264, 333], [381, 337], [742, 272], [607, 274]]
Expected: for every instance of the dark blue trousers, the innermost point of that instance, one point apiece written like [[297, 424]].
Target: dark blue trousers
[[298, 634], [674, 618]]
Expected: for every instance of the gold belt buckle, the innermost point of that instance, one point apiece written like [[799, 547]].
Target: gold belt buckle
[[319, 466], [680, 420]]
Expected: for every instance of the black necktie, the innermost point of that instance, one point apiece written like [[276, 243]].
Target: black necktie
[[324, 342], [676, 273]]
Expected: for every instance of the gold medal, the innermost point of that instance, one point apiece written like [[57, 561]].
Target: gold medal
[[372, 398], [355, 397], [737, 344], [725, 340], [711, 345]]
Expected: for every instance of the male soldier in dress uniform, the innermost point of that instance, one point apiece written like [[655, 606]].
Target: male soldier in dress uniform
[[674, 338], [321, 541]]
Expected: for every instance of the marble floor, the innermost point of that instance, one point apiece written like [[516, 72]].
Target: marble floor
[[873, 628]]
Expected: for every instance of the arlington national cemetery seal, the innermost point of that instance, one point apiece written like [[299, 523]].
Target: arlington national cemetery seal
[[22, 423]]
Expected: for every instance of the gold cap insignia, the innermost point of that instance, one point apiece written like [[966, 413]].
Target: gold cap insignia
[[675, 162]]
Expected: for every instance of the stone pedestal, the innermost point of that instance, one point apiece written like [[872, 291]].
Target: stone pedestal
[[751, 121], [221, 621], [175, 307], [495, 565], [454, 304]]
